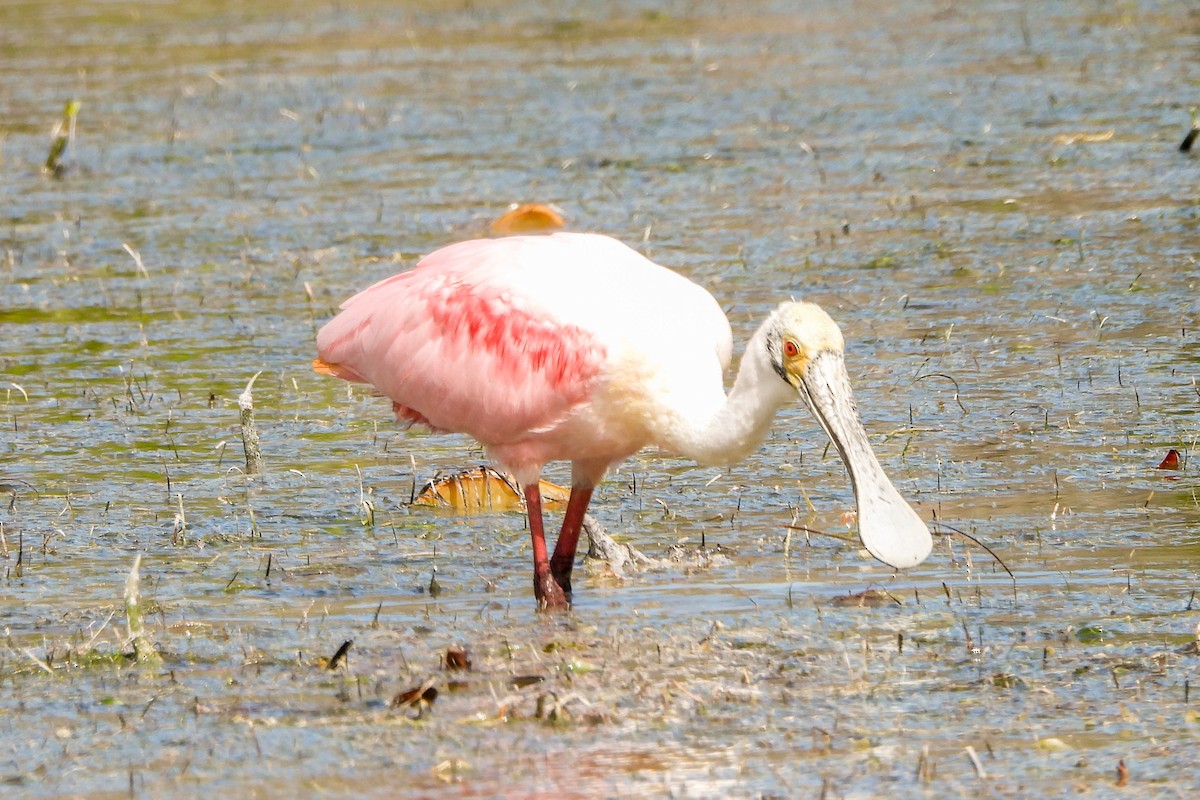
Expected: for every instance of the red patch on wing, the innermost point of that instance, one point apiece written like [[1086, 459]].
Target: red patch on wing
[[519, 343]]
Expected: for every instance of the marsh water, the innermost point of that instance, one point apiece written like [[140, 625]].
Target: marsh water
[[990, 199]]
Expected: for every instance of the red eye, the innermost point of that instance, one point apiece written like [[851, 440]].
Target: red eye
[[790, 350]]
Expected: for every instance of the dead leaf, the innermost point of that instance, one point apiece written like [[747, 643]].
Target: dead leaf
[[1170, 461], [340, 655], [420, 697], [482, 490], [456, 658], [528, 218]]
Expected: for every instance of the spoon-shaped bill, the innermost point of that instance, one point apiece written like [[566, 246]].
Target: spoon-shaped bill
[[888, 526]]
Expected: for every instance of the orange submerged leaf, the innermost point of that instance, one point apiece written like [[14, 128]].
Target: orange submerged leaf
[[528, 218], [482, 490]]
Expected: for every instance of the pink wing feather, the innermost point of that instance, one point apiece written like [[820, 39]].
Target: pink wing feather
[[457, 345]]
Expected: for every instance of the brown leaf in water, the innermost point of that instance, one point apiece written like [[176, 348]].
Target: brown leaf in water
[[478, 491], [419, 697], [456, 658], [1171, 461], [528, 218]]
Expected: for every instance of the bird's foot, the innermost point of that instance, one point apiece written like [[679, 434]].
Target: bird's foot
[[550, 595], [562, 576]]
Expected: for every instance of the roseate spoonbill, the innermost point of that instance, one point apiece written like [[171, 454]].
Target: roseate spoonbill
[[575, 347]]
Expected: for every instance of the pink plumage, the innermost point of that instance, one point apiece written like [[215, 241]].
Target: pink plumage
[[501, 339], [455, 347]]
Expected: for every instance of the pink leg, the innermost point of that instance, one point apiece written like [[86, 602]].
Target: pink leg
[[547, 591], [568, 538]]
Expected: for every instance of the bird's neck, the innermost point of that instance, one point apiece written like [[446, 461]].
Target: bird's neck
[[735, 428]]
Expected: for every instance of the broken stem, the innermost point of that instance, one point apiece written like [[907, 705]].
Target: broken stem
[[254, 462], [143, 648]]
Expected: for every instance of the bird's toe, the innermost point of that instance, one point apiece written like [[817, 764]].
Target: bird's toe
[[550, 595]]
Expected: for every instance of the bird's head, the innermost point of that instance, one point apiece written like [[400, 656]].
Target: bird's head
[[800, 332], [806, 349]]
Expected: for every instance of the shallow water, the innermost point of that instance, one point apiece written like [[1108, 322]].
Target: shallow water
[[1021, 314]]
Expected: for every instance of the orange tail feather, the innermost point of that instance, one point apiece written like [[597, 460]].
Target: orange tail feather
[[336, 370]]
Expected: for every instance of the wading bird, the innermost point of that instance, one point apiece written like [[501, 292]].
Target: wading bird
[[574, 347]]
